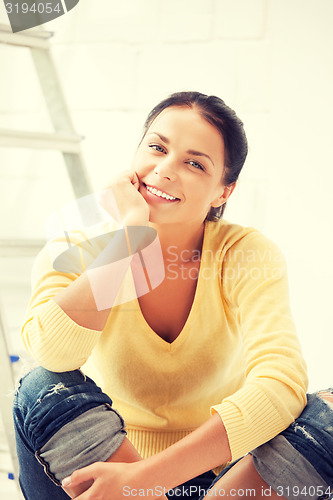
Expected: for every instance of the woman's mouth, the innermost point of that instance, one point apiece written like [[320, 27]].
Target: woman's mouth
[[160, 194]]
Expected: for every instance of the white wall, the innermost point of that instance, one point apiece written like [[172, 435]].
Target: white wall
[[269, 59]]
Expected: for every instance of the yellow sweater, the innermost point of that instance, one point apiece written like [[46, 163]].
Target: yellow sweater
[[238, 353]]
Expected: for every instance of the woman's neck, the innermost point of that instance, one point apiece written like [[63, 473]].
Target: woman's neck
[[180, 237]]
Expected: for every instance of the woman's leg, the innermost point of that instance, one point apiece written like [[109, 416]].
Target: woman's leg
[[242, 479], [64, 422], [125, 453]]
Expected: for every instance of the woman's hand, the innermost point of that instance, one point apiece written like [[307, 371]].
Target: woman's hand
[[203, 449], [106, 480], [123, 201]]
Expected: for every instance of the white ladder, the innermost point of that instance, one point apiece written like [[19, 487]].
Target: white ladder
[[65, 140]]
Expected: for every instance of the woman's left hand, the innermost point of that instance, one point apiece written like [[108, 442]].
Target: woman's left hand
[[109, 480]]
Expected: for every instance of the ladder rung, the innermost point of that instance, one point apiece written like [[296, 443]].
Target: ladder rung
[[40, 140], [32, 38]]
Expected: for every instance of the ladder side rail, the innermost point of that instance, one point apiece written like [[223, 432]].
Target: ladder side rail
[[7, 387], [60, 117]]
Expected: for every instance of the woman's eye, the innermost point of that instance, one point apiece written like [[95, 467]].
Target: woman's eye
[[196, 165], [157, 147]]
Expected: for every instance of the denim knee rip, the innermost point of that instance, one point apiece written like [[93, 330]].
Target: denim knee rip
[[92, 437], [301, 457], [69, 403]]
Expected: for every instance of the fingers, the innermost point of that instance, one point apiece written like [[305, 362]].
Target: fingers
[[78, 490], [80, 476], [135, 180], [123, 200], [81, 494], [126, 175], [133, 177]]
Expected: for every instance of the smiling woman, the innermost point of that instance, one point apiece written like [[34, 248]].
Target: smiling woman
[[205, 369], [167, 162], [224, 120]]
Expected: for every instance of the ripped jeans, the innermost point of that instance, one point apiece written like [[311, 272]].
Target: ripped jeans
[[63, 422], [298, 463]]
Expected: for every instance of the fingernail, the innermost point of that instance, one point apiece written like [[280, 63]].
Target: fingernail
[[66, 481]]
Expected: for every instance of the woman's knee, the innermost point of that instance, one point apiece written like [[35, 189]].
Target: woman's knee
[[41, 380], [65, 418], [46, 401], [93, 436]]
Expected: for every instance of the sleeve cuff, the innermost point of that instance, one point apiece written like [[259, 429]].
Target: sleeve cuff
[[250, 420]]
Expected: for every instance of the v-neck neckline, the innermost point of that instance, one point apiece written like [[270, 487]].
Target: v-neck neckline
[[195, 304]]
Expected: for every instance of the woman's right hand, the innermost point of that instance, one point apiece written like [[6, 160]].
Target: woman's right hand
[[123, 201]]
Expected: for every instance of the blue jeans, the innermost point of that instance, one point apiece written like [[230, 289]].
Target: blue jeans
[[298, 463], [55, 435], [63, 422], [53, 438]]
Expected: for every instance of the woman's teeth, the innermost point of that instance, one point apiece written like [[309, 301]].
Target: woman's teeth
[[161, 194]]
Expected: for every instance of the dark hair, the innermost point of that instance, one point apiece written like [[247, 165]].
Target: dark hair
[[225, 120]]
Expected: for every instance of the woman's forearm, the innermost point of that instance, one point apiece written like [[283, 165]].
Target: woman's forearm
[[89, 299], [204, 449], [77, 301]]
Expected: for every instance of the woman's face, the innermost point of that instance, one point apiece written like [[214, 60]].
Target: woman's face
[[180, 164]]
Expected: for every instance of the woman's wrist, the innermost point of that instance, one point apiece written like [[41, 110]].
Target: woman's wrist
[[203, 449]]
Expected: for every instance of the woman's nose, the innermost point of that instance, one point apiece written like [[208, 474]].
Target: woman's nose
[[166, 168]]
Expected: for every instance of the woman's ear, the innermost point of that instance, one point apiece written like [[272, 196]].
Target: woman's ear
[[223, 196]]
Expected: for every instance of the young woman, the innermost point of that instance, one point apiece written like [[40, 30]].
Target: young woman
[[205, 368]]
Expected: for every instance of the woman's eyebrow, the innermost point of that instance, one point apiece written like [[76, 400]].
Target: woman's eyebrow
[[190, 151], [198, 153], [164, 139]]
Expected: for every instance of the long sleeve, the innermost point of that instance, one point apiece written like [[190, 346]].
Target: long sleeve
[[255, 285], [113, 275], [49, 335]]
